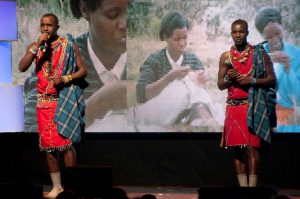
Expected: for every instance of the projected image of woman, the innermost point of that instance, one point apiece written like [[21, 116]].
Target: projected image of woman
[[103, 49], [171, 80], [170, 63], [286, 62]]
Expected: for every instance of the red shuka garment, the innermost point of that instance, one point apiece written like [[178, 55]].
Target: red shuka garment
[[235, 127], [50, 139]]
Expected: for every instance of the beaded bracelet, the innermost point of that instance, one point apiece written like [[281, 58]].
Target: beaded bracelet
[[65, 79], [33, 50], [70, 78], [253, 81], [227, 82]]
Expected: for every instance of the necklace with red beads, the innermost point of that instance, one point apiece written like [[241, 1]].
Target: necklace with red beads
[[240, 56]]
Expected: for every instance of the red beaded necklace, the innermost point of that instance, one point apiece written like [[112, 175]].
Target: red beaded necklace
[[48, 66], [240, 57], [235, 55]]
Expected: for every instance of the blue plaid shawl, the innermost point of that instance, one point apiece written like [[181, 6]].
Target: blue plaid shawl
[[70, 108], [262, 101]]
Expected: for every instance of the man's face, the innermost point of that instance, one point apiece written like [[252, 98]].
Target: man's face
[[273, 34], [49, 25], [239, 33], [108, 25]]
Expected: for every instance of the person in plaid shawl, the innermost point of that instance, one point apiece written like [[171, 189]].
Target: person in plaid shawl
[[60, 105], [247, 72]]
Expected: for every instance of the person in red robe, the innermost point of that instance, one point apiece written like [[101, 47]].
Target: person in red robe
[[236, 68], [58, 68]]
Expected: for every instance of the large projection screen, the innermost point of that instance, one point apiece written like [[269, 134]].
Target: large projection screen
[[171, 110]]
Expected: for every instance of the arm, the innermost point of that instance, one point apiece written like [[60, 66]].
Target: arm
[[281, 57], [269, 80], [28, 58], [156, 87], [147, 75], [154, 77], [223, 69], [31, 52], [108, 97], [80, 73], [240, 80]]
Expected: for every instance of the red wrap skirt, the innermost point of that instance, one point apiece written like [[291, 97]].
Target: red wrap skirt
[[50, 139], [236, 129]]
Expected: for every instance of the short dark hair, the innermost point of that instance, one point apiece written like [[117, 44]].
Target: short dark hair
[[266, 15], [173, 20], [51, 15], [240, 21], [92, 5]]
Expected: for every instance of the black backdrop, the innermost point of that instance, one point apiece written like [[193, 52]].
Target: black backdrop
[[155, 159]]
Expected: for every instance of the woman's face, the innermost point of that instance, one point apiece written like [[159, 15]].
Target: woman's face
[[273, 34], [108, 26], [177, 42]]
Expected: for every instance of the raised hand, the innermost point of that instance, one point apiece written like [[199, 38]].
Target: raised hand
[[280, 57], [42, 39], [178, 73]]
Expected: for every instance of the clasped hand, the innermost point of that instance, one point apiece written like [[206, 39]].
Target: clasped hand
[[56, 79], [234, 76]]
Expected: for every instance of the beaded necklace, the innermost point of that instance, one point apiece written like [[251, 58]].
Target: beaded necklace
[[48, 66], [47, 69], [61, 57], [240, 57]]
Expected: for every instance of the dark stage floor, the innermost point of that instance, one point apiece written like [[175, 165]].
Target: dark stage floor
[[177, 192], [162, 192]]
